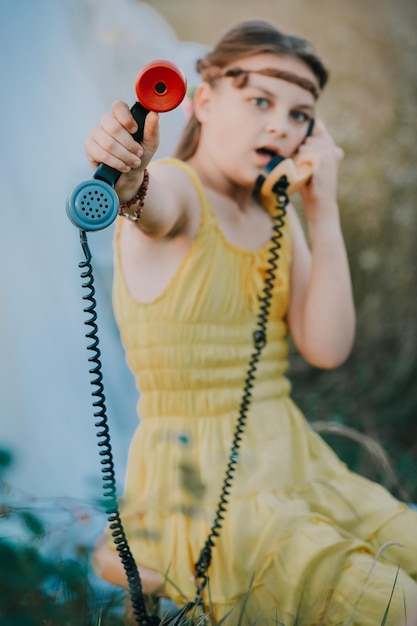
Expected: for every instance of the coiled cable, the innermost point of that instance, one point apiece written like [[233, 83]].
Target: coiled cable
[[259, 338], [108, 473]]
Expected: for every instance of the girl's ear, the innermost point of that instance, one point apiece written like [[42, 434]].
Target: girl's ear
[[201, 101]]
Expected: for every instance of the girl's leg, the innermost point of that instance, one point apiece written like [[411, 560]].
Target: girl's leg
[[108, 566]]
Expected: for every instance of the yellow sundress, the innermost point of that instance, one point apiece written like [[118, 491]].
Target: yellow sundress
[[301, 531]]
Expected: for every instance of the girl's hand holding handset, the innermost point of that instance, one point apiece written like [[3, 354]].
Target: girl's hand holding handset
[[111, 142]]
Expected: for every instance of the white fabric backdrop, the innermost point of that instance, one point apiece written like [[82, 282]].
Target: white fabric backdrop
[[61, 65]]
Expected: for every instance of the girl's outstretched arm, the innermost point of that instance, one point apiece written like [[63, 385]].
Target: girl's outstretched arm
[[111, 142], [321, 312]]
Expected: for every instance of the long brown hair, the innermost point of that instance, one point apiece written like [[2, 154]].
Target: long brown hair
[[245, 40]]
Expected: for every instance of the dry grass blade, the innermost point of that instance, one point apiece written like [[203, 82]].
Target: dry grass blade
[[367, 579], [375, 450]]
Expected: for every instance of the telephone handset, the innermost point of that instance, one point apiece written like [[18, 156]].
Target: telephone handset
[[281, 174], [93, 204]]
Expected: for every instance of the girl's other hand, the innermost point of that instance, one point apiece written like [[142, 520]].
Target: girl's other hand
[[325, 157]]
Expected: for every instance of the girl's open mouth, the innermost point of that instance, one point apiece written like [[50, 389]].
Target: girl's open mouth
[[267, 153]]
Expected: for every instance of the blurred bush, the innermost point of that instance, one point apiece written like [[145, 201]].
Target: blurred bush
[[40, 586], [371, 109]]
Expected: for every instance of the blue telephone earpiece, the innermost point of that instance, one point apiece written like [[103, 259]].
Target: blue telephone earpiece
[[93, 204]]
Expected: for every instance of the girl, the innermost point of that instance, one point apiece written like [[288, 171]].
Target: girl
[[302, 539]]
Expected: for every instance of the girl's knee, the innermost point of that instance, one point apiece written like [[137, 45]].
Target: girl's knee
[[107, 565]]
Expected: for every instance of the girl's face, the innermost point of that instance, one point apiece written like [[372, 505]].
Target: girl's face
[[243, 128]]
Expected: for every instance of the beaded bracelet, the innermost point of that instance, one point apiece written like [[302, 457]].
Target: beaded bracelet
[[139, 197]]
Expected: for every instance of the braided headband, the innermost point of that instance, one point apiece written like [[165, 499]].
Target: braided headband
[[241, 78]]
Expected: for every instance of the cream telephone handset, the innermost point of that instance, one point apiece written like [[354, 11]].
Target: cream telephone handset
[[282, 174]]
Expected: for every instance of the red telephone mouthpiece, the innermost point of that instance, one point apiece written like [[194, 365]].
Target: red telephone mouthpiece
[[160, 86]]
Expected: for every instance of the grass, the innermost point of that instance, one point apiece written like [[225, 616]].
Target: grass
[[237, 616], [41, 587], [40, 590]]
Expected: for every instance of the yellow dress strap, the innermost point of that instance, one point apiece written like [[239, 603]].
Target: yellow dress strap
[[195, 180]]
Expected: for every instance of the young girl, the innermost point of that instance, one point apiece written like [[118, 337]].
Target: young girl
[[302, 538]]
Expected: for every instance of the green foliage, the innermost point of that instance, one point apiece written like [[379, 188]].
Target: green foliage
[[373, 397], [37, 589]]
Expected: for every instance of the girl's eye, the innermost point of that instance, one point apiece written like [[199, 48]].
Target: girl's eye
[[261, 103], [300, 116]]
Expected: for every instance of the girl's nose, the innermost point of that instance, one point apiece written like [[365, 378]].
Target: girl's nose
[[277, 125]]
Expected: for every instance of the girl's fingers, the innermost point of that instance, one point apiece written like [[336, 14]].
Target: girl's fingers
[[151, 131], [319, 146], [319, 127], [119, 125], [104, 148], [119, 133], [111, 141], [122, 114], [319, 153], [97, 154]]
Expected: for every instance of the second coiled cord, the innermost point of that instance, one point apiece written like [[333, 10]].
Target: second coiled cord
[[259, 339]]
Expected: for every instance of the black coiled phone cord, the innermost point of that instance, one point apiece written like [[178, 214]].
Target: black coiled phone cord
[[259, 340], [108, 474]]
